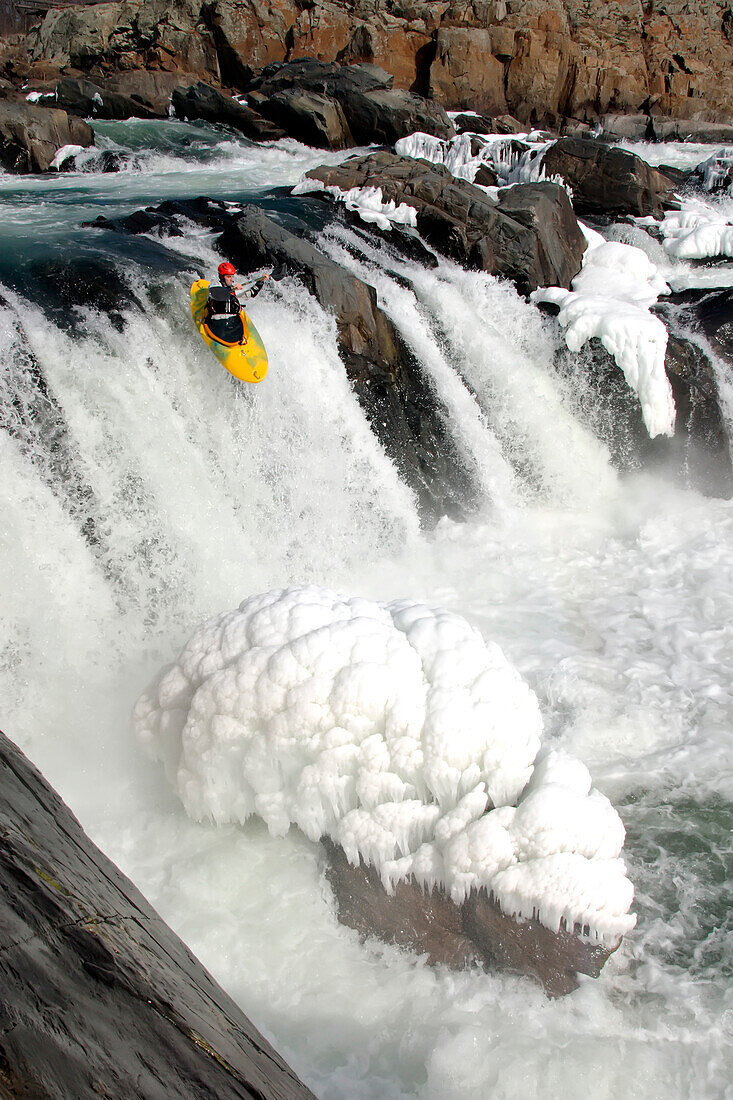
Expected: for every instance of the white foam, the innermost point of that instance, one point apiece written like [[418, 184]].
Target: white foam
[[398, 731]]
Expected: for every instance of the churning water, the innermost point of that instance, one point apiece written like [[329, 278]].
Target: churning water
[[144, 490]]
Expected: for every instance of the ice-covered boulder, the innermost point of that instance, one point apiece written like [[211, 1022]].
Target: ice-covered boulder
[[395, 730]]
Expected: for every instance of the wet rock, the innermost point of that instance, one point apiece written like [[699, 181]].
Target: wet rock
[[105, 161], [475, 933], [165, 217], [530, 235], [309, 117], [96, 988], [700, 429], [152, 89], [30, 136], [607, 180], [89, 100], [405, 414], [201, 101], [697, 455]]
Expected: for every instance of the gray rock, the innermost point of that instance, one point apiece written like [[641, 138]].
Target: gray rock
[[310, 117], [630, 127], [374, 112], [201, 101], [31, 136], [608, 180], [89, 100], [676, 129], [99, 996], [530, 235]]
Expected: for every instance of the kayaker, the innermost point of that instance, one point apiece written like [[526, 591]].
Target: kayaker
[[223, 304]]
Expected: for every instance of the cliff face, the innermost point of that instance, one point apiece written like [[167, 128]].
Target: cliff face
[[537, 59]]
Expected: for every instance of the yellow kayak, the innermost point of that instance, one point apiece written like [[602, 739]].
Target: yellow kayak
[[244, 356]]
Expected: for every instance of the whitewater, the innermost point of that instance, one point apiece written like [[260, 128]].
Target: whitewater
[[144, 492]]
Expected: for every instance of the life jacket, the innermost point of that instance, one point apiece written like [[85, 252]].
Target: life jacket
[[222, 302]]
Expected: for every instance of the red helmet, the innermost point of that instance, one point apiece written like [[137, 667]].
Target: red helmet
[[227, 269]]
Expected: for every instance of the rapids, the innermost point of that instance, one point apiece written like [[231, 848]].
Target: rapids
[[144, 491]]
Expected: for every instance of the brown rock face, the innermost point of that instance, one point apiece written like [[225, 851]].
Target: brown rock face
[[540, 60], [475, 933]]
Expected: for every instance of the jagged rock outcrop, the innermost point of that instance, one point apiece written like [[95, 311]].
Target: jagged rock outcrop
[[98, 994], [475, 933], [31, 136], [530, 235], [541, 60]]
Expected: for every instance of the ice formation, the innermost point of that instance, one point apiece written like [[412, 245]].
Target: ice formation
[[516, 158], [367, 202], [716, 171], [610, 299], [698, 233], [399, 732]]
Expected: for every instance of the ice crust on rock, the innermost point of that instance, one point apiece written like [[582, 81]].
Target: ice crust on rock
[[610, 299], [367, 202], [698, 233], [515, 158], [395, 729]]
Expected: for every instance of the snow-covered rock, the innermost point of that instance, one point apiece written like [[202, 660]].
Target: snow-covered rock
[[397, 731], [610, 299]]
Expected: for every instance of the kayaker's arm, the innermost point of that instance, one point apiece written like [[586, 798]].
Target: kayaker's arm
[[252, 289]]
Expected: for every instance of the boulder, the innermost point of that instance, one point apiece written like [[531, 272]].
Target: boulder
[[96, 987], [310, 117], [701, 441], [530, 235], [627, 127], [374, 112], [152, 89], [201, 101], [30, 136], [383, 116], [89, 100], [607, 180], [476, 933], [405, 415], [698, 454]]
